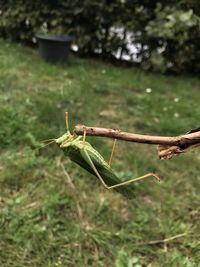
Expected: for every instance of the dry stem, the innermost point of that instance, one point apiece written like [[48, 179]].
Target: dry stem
[[168, 146]]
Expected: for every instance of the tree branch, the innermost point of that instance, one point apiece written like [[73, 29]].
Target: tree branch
[[189, 138], [168, 146]]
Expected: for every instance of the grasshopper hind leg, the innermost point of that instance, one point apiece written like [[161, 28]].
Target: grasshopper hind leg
[[84, 138], [90, 162], [88, 159]]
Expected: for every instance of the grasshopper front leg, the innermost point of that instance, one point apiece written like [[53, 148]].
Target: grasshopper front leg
[[112, 152]]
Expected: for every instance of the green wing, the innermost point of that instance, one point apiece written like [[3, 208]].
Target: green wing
[[105, 171]]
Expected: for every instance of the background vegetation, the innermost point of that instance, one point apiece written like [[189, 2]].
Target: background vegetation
[[166, 33], [47, 219]]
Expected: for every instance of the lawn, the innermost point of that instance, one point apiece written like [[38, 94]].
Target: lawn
[[53, 213]]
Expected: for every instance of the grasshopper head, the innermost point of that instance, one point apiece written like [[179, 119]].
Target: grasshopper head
[[67, 137]]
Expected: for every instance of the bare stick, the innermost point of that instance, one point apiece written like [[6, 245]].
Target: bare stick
[[190, 138], [69, 180], [168, 146], [166, 240]]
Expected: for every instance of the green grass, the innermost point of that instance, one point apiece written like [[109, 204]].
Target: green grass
[[46, 221]]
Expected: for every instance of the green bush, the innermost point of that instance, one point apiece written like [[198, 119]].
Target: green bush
[[90, 22], [176, 34], [167, 35]]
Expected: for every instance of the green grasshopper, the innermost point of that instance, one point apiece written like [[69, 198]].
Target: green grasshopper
[[86, 156]]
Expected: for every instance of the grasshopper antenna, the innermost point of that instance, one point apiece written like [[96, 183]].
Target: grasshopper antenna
[[47, 140], [67, 121], [51, 141]]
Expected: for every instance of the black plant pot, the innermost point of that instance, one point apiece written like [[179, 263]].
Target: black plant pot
[[54, 48]]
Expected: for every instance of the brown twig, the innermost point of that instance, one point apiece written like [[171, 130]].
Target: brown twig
[[69, 180], [166, 240], [168, 146], [190, 138]]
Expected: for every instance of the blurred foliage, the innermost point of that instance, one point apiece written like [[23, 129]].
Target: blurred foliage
[[166, 34], [176, 35]]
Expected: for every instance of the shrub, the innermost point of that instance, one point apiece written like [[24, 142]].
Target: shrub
[[166, 35], [175, 36]]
